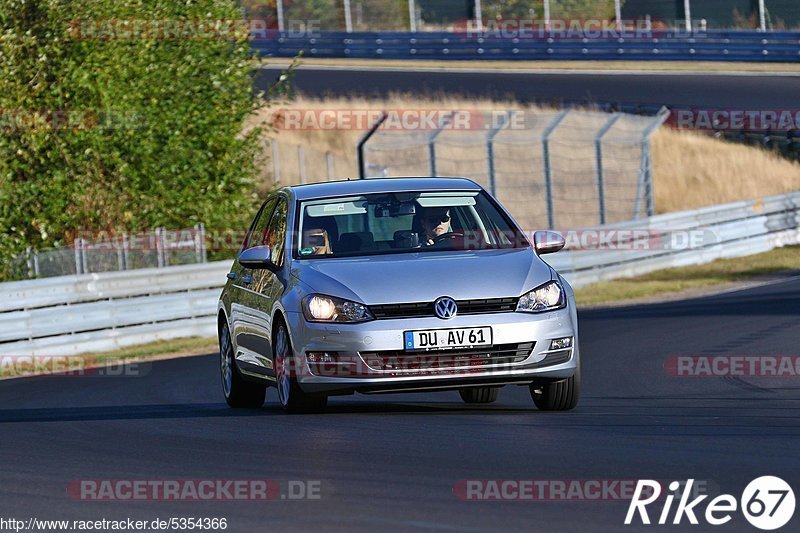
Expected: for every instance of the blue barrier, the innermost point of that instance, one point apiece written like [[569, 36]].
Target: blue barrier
[[741, 45]]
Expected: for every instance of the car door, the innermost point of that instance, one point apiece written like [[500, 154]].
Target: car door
[[260, 289], [244, 323]]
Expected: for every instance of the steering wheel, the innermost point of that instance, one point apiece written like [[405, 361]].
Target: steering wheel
[[447, 237]]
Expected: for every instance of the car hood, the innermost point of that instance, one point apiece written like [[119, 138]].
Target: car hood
[[423, 277]]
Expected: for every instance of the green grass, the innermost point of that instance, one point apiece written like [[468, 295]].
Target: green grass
[[674, 280], [184, 346]]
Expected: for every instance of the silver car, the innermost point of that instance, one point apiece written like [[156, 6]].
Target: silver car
[[389, 285]]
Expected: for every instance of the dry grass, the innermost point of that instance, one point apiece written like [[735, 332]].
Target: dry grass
[[688, 279], [694, 170], [690, 169]]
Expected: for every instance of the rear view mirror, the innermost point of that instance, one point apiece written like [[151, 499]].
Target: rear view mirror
[[257, 257], [547, 242]]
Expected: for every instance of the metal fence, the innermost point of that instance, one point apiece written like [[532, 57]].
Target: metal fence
[[155, 249], [295, 164], [551, 169], [421, 15]]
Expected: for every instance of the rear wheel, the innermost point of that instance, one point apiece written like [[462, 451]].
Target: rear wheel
[[479, 394], [237, 391], [291, 396], [558, 395]]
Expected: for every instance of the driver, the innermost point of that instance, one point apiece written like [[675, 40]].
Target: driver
[[435, 222], [316, 242]]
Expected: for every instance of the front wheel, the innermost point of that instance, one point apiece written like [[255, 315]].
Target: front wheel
[[558, 395], [237, 391], [291, 396]]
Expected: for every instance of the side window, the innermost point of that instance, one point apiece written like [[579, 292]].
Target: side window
[[255, 236], [275, 237]]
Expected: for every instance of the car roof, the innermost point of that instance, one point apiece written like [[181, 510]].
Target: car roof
[[380, 185]]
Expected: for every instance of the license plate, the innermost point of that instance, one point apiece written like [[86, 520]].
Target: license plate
[[445, 339]]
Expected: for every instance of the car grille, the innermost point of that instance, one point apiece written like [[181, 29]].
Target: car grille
[[400, 361], [425, 309]]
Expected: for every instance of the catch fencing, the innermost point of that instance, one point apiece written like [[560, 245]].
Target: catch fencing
[[95, 312], [108, 253], [567, 168]]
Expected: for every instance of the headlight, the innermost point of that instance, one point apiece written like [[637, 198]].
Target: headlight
[[545, 298], [320, 308]]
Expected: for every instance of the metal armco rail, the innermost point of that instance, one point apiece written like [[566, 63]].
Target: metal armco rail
[[96, 312], [741, 45]]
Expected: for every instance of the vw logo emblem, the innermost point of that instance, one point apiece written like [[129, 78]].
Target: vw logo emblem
[[445, 307]]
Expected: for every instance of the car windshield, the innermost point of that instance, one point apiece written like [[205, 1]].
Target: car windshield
[[376, 224]]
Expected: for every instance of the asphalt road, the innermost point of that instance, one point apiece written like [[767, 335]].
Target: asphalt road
[[752, 91], [392, 461]]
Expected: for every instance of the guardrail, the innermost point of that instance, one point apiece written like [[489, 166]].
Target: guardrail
[[95, 312], [68, 315], [728, 230], [741, 45]]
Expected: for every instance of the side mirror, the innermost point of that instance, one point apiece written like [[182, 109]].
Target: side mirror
[[258, 257], [548, 242]]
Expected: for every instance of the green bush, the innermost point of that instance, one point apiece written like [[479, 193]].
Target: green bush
[[147, 132]]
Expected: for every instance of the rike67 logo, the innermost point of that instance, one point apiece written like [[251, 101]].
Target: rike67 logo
[[767, 503]]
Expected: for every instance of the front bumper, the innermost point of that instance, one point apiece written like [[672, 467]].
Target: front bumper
[[359, 373]]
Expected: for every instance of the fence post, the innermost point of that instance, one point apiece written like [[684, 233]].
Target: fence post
[[76, 245], [762, 15], [280, 16], [598, 147], [36, 270], [645, 180], [118, 247], [301, 162], [687, 13], [490, 149], [329, 164], [29, 260], [84, 256], [159, 247], [478, 15], [198, 254], [432, 144], [412, 16], [348, 17], [362, 166], [547, 14], [203, 244], [548, 177], [276, 162], [125, 247]]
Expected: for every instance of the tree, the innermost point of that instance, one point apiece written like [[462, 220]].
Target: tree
[[102, 131]]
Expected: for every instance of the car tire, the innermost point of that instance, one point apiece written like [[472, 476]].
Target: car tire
[[290, 395], [557, 395], [479, 394], [237, 391]]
